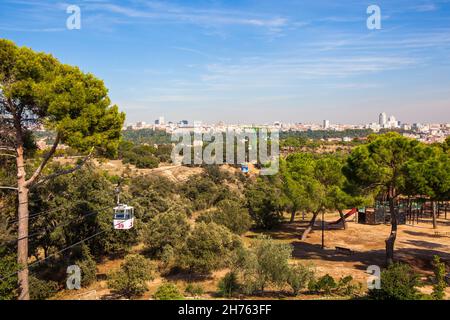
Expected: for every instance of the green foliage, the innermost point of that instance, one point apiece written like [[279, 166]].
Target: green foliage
[[228, 286], [325, 284], [230, 214], [299, 277], [302, 136], [164, 152], [130, 279], [381, 163], [439, 284], [142, 156], [263, 202], [148, 136], [264, 263], [428, 173], [83, 203], [207, 248], [8, 266], [88, 266], [152, 195], [204, 192], [166, 229], [73, 104], [168, 257], [398, 282], [42, 289], [194, 289], [347, 287], [168, 291], [216, 174], [316, 184]]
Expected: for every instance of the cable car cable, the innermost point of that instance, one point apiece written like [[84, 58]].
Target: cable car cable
[[54, 254], [63, 224]]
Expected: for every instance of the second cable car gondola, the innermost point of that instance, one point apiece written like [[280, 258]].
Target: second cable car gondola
[[244, 167]]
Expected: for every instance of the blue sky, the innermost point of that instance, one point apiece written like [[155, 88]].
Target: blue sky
[[252, 61]]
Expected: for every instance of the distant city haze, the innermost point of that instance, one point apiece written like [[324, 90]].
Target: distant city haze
[[252, 61]]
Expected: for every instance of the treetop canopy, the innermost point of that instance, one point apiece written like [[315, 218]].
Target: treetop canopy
[[35, 88]]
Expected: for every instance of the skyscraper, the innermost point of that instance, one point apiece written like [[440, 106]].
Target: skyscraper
[[382, 120], [326, 124]]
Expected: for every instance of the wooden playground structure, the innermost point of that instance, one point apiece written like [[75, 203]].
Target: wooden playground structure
[[410, 211]]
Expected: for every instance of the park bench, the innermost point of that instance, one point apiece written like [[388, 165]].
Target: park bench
[[441, 234], [344, 250]]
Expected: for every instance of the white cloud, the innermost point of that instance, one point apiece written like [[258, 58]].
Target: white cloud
[[426, 7], [171, 14]]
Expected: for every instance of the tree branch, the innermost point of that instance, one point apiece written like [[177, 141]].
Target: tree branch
[[44, 162], [63, 172], [9, 188]]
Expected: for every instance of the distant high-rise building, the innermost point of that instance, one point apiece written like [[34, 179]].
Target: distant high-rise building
[[392, 122], [161, 120], [326, 124], [140, 125], [382, 119]]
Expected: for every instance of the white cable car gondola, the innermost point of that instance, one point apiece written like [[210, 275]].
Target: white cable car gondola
[[123, 217], [123, 214]]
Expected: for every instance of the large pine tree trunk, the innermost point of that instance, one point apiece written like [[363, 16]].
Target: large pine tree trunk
[[390, 241], [310, 226], [22, 245]]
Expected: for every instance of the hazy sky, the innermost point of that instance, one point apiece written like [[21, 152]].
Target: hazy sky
[[252, 61]]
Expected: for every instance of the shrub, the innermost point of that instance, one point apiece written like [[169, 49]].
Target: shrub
[[168, 228], [230, 214], [130, 279], [88, 267], [439, 284], [194, 289], [167, 256], [347, 287], [324, 284], [299, 277], [265, 263], [8, 265], [398, 282], [42, 289], [141, 156], [168, 291], [207, 248], [228, 285], [204, 192], [263, 202]]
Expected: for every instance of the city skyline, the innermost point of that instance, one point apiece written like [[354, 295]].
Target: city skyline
[[247, 61], [390, 121]]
